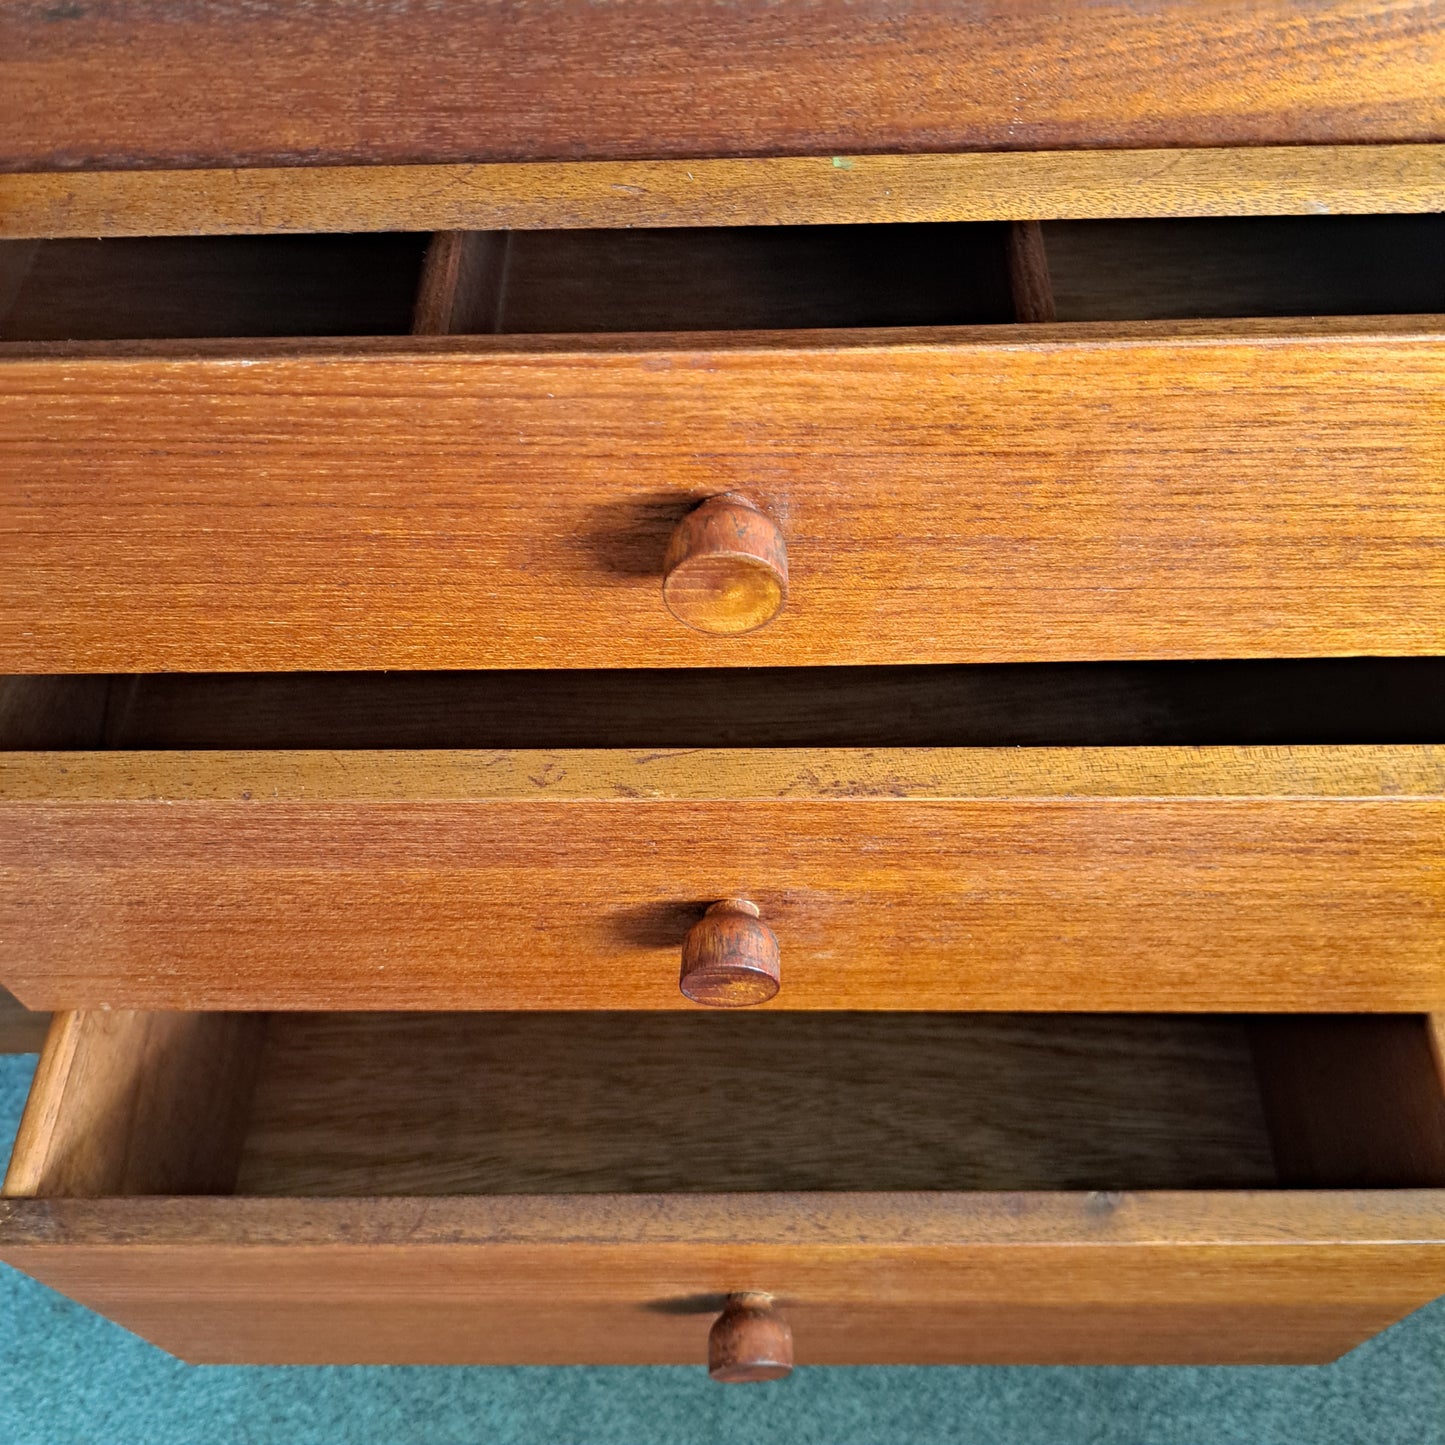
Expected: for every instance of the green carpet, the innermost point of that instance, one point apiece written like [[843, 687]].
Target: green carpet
[[68, 1377]]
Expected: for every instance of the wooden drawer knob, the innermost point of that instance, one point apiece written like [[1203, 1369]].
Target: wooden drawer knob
[[730, 957], [726, 569], [749, 1341]]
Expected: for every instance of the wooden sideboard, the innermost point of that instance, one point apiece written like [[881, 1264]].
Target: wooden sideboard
[[743, 684]]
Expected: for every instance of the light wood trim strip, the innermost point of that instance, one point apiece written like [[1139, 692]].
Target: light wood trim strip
[[1164, 1220], [1036, 338], [1388, 773], [809, 190]]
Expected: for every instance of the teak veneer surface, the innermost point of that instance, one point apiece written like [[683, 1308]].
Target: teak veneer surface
[[1241, 1277], [956, 495], [763, 191], [1110, 878], [150, 1103], [133, 83]]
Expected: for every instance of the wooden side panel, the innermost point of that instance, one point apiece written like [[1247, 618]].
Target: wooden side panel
[[863, 1279], [1110, 879], [137, 1103], [462, 281], [1359, 1106], [136, 84], [1028, 265], [1000, 494]]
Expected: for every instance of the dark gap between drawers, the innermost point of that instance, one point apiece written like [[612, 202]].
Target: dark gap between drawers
[[708, 278], [1345, 700], [356, 1104]]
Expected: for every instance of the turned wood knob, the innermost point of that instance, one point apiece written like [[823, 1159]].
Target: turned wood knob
[[730, 957], [726, 569], [749, 1341]]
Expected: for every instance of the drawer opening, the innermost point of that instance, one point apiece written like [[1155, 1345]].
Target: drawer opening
[[1289, 701], [1246, 267], [183, 287], [707, 279], [348, 1104], [720, 278]]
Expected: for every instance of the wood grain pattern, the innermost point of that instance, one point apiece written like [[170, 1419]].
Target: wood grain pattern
[[734, 774], [864, 1279], [1205, 1276], [1164, 490], [138, 84], [1299, 879], [764, 191], [613, 1103], [137, 1103]]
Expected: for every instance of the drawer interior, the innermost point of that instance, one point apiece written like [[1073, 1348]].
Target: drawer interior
[[1298, 701], [348, 1104], [705, 279]]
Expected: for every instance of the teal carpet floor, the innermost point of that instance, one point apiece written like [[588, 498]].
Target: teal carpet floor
[[68, 1377]]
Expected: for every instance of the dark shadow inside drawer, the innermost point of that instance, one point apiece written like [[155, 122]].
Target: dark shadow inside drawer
[[725, 278], [1286, 701], [702, 279], [350, 1104], [181, 286]]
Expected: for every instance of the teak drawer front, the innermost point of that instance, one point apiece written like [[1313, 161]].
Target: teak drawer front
[[1064, 879], [131, 85], [1159, 490], [341, 1188], [1216, 1278], [168, 1165]]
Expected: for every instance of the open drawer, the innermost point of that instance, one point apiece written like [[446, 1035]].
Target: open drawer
[[1226, 444], [545, 1188], [1130, 878]]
